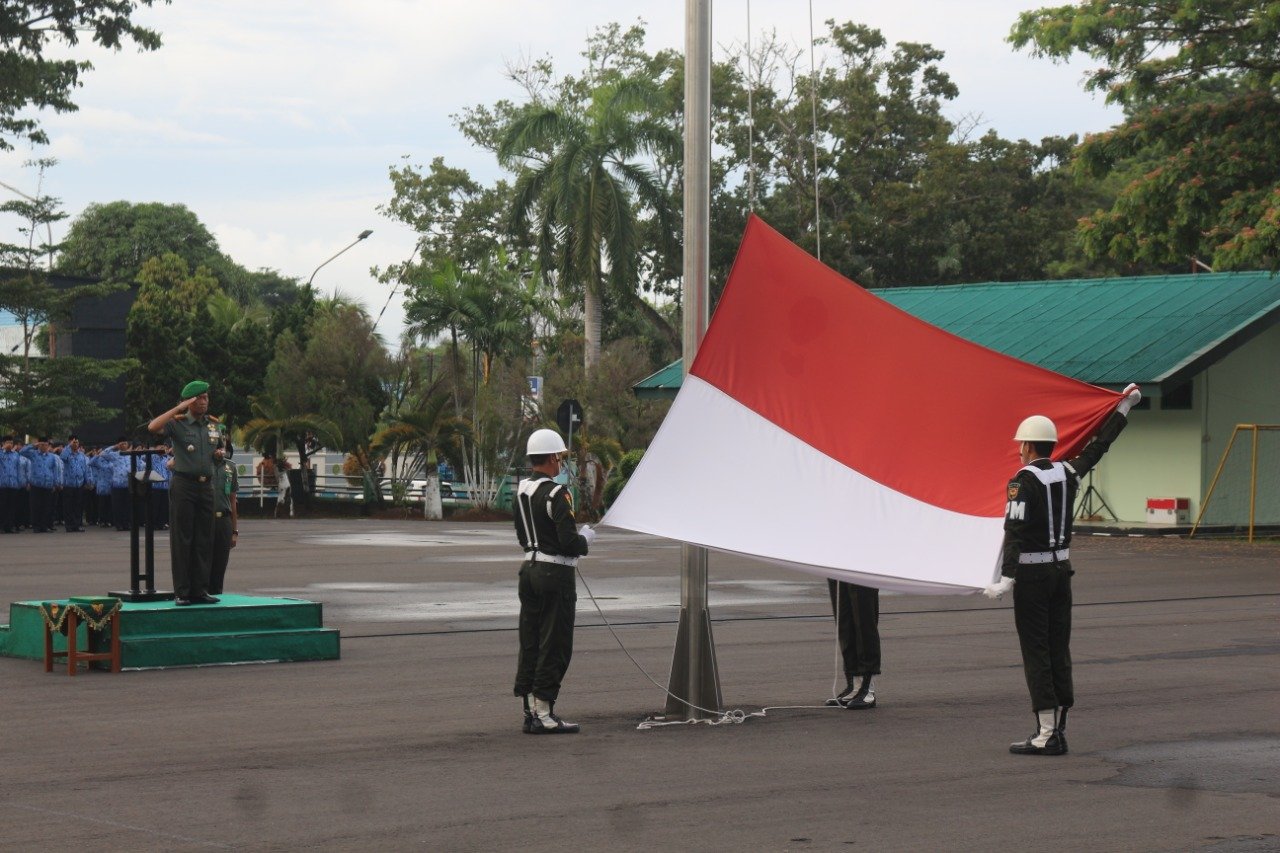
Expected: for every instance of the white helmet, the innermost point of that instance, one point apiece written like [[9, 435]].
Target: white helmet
[[544, 441], [1036, 428]]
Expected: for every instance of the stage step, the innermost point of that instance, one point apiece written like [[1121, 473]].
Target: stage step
[[239, 629]]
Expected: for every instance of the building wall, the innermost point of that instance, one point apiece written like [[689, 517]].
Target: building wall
[[1175, 453], [1244, 388], [1158, 455]]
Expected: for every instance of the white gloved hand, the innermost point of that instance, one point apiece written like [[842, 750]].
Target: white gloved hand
[[996, 590], [587, 533], [1130, 399]]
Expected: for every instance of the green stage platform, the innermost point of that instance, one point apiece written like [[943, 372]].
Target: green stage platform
[[156, 634]]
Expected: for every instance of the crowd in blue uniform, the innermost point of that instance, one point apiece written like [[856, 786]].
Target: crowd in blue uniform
[[49, 484]]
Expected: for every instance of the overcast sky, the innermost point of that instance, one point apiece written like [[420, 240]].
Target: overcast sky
[[276, 122]]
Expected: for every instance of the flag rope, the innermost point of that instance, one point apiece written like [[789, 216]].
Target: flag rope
[[737, 716]]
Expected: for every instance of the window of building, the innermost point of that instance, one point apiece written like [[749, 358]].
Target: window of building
[[1177, 399]]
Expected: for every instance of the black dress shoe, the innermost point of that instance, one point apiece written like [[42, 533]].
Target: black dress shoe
[[203, 599], [182, 602], [843, 696]]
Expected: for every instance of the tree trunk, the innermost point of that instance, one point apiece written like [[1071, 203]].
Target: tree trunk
[[593, 321]]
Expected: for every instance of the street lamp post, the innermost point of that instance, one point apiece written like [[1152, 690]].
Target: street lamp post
[[363, 234]]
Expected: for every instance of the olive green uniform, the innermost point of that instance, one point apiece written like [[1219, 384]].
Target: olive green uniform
[[191, 502], [225, 485]]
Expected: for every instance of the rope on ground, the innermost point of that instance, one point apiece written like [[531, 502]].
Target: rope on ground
[[719, 718]]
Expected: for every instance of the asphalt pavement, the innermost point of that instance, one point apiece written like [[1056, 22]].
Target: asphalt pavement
[[412, 740]]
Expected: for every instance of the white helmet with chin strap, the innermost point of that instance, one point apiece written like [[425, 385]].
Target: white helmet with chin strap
[[1036, 428], [545, 441]]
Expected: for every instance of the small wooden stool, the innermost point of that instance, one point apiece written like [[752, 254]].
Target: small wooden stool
[[73, 655]]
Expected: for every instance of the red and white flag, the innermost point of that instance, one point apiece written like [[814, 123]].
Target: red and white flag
[[826, 430]]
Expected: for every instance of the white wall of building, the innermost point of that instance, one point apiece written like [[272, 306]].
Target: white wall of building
[[1166, 453]]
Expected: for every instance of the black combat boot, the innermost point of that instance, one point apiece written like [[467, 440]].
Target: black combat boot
[[545, 721], [527, 699], [1045, 741]]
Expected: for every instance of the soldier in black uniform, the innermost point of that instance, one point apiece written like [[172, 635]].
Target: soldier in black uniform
[[1036, 565], [857, 613], [226, 517], [548, 591], [197, 448]]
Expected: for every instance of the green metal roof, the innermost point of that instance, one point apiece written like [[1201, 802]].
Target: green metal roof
[[661, 385], [1158, 331]]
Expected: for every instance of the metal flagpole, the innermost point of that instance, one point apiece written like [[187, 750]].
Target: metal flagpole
[[694, 676]]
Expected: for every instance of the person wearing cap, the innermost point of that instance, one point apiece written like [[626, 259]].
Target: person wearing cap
[[197, 448], [548, 589], [226, 518], [75, 479], [1036, 565]]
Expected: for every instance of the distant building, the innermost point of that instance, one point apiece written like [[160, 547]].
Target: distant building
[[1205, 348], [96, 330]]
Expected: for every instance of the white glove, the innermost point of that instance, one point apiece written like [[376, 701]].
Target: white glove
[[996, 590], [587, 533], [1130, 399]]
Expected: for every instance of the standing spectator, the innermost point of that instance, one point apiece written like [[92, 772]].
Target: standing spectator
[[161, 474], [46, 479], [121, 509], [13, 485], [75, 479], [102, 473], [266, 470]]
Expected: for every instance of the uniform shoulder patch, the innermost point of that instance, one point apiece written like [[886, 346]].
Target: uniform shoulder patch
[[1014, 488]]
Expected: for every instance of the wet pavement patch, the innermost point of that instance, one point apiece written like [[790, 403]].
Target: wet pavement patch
[[1245, 765]]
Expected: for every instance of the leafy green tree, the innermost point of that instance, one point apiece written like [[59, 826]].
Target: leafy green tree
[[339, 374], [34, 81], [112, 241], [583, 185], [168, 335], [1200, 84]]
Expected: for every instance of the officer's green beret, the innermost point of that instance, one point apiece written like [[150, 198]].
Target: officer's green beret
[[194, 388]]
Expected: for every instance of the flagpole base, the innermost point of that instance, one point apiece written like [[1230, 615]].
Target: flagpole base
[[694, 675]]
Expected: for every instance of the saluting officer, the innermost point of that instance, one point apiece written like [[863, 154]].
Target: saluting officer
[[548, 590], [197, 439], [13, 485], [75, 479], [1036, 566]]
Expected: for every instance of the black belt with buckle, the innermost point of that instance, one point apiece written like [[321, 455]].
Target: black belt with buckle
[[219, 514], [199, 478]]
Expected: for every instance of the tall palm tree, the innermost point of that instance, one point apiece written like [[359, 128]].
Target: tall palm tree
[[579, 180]]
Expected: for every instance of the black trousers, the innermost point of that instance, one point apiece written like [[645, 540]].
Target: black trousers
[[221, 552], [9, 508], [857, 613], [105, 508], [548, 605], [190, 535], [1042, 613], [121, 507], [159, 507], [90, 502], [41, 508], [72, 508]]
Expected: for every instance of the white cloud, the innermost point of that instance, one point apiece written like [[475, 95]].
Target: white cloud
[[276, 122]]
